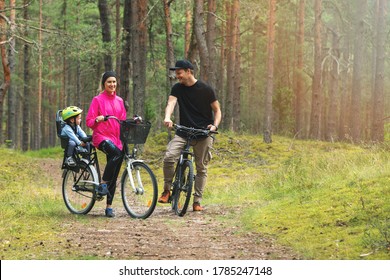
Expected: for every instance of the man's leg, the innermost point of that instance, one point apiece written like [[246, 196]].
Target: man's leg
[[171, 156], [202, 154]]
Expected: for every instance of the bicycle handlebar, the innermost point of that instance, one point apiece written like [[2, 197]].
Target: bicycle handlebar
[[194, 131], [136, 118]]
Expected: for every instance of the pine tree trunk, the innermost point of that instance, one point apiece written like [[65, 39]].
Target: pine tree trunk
[[201, 40], [355, 112], [118, 38], [126, 49], [38, 130], [298, 83], [106, 33], [210, 39], [267, 130], [316, 101], [26, 90], [377, 130], [187, 31], [331, 131], [139, 58], [230, 73], [11, 124], [5, 63], [170, 60], [345, 77], [237, 75]]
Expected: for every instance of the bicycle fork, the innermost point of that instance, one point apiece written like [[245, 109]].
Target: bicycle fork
[[140, 188]]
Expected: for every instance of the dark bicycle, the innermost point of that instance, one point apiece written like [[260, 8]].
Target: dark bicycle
[[184, 172], [138, 183]]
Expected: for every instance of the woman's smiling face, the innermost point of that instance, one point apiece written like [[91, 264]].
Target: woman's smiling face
[[110, 85]]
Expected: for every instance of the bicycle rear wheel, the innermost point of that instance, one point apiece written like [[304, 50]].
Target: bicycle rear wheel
[[184, 183], [141, 200], [78, 188]]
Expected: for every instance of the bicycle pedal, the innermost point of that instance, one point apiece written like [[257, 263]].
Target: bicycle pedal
[[99, 198]]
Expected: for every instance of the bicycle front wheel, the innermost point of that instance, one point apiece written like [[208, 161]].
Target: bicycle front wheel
[[78, 188], [139, 190], [184, 183]]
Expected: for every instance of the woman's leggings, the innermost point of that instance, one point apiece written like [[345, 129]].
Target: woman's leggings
[[114, 161]]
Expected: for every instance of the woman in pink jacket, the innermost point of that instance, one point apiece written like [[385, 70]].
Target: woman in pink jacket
[[106, 134]]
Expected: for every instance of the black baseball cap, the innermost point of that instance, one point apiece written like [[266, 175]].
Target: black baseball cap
[[182, 64]]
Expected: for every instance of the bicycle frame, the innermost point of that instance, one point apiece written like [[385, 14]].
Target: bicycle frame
[[182, 186]]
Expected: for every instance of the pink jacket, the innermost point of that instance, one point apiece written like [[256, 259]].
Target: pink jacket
[[105, 104]]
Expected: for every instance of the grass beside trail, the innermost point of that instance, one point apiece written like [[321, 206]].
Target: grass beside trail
[[30, 207], [324, 200]]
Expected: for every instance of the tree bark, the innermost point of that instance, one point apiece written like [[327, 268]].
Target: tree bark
[[187, 30], [237, 75], [231, 56], [139, 58], [344, 93], [118, 38], [5, 63], [298, 84], [38, 131], [170, 56], [170, 60], [267, 130], [316, 102], [26, 88], [106, 33], [355, 113], [201, 40], [210, 40], [63, 94], [377, 129], [331, 131], [11, 123], [124, 88]]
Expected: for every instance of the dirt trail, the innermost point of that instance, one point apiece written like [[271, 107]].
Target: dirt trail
[[165, 236]]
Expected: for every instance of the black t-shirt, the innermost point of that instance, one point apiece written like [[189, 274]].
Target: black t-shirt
[[194, 104]]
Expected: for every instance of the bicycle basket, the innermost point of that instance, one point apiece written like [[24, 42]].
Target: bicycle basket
[[134, 133]]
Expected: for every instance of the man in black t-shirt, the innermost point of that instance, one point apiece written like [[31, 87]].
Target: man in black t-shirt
[[198, 108]]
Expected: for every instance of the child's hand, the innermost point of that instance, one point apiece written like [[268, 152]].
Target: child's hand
[[82, 144]]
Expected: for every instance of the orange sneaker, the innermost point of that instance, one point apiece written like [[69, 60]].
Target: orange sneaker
[[164, 198], [196, 207]]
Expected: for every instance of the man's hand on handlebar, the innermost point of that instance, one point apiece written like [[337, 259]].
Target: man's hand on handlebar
[[168, 123], [212, 127]]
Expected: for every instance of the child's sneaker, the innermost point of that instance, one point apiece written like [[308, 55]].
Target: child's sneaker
[[69, 161], [102, 189]]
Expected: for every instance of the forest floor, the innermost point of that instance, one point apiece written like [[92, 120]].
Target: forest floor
[[213, 234]]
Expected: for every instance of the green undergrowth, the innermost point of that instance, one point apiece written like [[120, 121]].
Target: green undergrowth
[[324, 200], [30, 208]]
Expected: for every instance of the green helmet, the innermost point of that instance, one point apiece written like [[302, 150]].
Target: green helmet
[[70, 111]]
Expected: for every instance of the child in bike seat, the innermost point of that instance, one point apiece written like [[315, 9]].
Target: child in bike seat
[[72, 116]]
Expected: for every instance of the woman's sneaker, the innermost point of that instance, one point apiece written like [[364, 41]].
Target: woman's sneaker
[[69, 161], [110, 213], [102, 189]]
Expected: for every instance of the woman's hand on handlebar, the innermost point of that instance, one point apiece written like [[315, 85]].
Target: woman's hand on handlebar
[[102, 118], [99, 118]]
